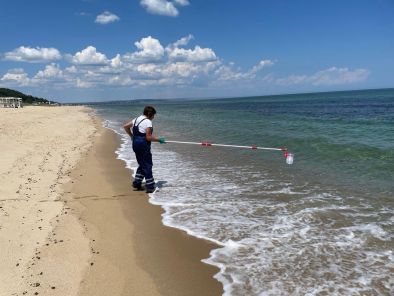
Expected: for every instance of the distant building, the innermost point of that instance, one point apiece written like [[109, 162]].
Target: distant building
[[9, 102]]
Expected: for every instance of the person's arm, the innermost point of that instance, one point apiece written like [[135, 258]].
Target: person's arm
[[127, 127], [151, 138]]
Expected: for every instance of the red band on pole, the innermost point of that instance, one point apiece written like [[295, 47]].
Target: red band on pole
[[206, 144], [253, 147]]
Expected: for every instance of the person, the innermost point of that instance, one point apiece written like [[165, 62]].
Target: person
[[140, 130]]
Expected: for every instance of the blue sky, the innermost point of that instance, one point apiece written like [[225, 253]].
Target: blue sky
[[96, 50]]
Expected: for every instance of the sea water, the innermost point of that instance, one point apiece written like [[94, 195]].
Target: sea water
[[321, 226]]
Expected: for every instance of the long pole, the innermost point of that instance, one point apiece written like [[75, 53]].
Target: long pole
[[289, 156], [207, 144]]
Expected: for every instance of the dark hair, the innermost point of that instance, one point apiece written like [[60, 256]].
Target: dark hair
[[149, 111]]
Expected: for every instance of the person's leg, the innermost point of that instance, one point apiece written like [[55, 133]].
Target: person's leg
[[139, 174], [147, 171], [138, 178]]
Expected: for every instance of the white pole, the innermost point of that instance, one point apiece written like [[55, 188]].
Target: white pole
[[224, 145], [289, 156]]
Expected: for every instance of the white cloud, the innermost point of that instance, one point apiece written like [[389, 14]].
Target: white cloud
[[82, 84], [334, 76], [227, 72], [148, 69], [181, 69], [182, 2], [116, 62], [151, 64], [163, 7], [197, 54], [262, 64], [89, 56], [50, 72], [150, 49], [33, 55], [106, 18], [183, 41], [71, 70], [16, 76], [330, 76]]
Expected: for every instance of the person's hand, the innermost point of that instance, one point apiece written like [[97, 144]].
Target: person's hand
[[162, 140]]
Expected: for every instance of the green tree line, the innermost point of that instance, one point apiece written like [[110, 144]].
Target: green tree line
[[27, 99]]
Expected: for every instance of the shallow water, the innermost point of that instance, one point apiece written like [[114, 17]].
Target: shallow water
[[322, 226]]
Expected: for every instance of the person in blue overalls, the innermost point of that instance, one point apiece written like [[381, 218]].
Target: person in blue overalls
[[140, 130]]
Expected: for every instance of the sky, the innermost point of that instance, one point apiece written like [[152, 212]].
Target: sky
[[102, 50]]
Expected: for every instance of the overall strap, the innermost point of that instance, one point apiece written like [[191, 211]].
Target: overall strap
[[140, 121]]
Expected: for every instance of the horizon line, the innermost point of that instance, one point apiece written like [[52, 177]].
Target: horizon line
[[219, 98]]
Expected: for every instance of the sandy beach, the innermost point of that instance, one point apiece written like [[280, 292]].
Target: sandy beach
[[70, 223]]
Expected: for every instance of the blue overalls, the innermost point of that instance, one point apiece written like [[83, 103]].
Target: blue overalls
[[142, 152]]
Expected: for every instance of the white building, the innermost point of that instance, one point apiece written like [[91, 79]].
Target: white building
[[10, 102]]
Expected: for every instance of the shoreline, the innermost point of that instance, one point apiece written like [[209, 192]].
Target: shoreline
[[168, 259], [95, 235]]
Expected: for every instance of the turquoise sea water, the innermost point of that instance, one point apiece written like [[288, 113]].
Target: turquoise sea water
[[322, 226]]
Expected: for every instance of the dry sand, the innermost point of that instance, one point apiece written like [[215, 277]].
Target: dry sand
[[70, 223]]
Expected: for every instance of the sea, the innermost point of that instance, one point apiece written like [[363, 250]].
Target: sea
[[321, 226]]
